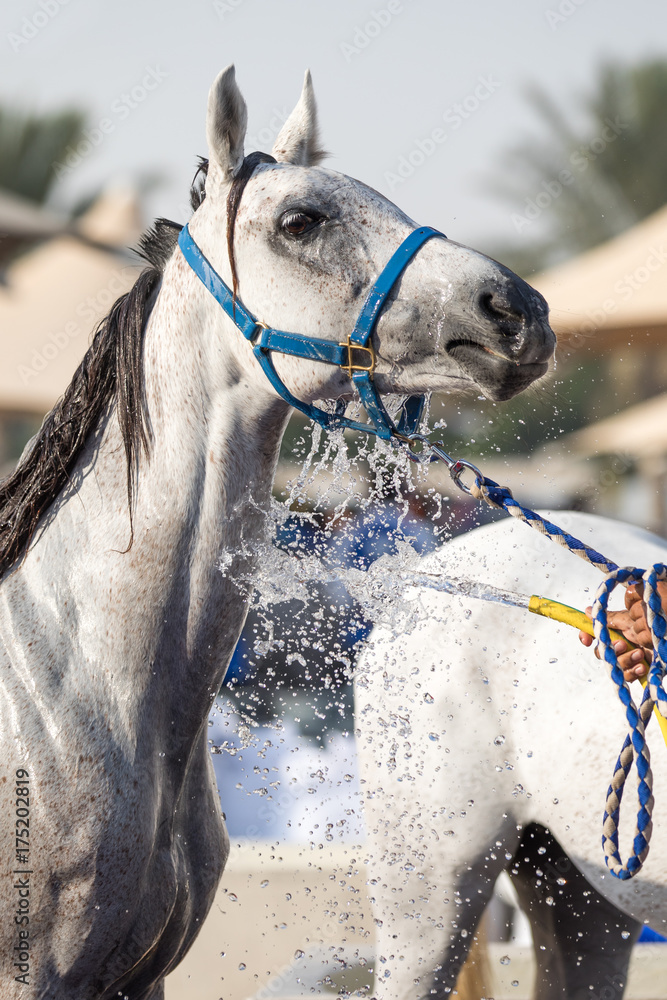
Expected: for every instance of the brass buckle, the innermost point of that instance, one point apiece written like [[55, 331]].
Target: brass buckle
[[351, 367]]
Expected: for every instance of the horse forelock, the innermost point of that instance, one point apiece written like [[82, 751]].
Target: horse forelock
[[238, 186]]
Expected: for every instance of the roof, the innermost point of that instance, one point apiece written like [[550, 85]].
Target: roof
[[638, 432], [617, 288], [55, 297]]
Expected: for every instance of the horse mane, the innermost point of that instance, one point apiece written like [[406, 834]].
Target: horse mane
[[111, 373]]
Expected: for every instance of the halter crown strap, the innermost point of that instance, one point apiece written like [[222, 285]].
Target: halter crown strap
[[355, 355]]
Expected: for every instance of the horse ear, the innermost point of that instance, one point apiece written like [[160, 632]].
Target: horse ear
[[226, 122], [299, 139]]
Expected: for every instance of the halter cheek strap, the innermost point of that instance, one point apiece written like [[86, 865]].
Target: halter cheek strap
[[355, 355]]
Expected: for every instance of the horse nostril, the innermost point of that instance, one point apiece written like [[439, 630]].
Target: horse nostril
[[508, 316]]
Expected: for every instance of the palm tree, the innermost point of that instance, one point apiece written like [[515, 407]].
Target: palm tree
[[583, 185], [29, 146]]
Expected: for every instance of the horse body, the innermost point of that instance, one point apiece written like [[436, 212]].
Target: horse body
[[116, 632], [479, 730]]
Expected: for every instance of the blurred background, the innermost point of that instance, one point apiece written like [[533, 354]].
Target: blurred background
[[533, 131]]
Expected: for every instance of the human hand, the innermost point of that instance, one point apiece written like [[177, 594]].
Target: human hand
[[633, 624]]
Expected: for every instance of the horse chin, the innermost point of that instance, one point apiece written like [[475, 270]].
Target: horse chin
[[497, 377]]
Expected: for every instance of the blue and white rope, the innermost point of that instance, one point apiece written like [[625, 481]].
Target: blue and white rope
[[635, 746]]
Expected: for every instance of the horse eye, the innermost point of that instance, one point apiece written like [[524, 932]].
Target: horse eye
[[298, 223]]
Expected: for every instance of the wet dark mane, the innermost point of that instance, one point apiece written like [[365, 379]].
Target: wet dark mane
[[110, 373]]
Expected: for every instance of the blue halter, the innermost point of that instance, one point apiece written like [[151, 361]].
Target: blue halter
[[355, 356]]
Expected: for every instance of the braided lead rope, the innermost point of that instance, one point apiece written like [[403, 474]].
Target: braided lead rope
[[634, 747], [635, 742], [500, 497]]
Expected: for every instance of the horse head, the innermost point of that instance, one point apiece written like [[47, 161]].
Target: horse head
[[302, 245]]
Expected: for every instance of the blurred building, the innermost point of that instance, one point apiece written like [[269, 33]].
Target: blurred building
[[611, 302], [54, 293]]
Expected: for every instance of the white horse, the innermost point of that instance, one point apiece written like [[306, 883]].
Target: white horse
[[116, 629], [488, 738]]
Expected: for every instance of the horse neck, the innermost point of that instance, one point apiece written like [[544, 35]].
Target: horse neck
[[173, 603]]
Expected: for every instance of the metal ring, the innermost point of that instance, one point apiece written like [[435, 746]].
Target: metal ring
[[407, 442], [457, 470]]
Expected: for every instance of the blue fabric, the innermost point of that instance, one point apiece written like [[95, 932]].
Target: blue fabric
[[649, 936]]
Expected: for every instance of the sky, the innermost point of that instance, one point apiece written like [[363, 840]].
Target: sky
[[418, 98]]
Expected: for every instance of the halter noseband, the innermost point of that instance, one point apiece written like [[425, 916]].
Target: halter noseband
[[355, 356]]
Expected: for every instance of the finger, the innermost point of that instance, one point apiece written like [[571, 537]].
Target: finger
[[585, 639], [631, 661]]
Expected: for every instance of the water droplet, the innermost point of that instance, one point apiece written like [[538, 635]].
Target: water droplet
[[555, 802], [241, 966], [561, 881], [263, 884], [625, 935], [541, 850], [554, 659], [348, 777], [433, 736], [550, 901], [288, 896], [499, 740], [505, 960], [467, 613], [298, 954], [232, 896], [515, 982], [428, 698]]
